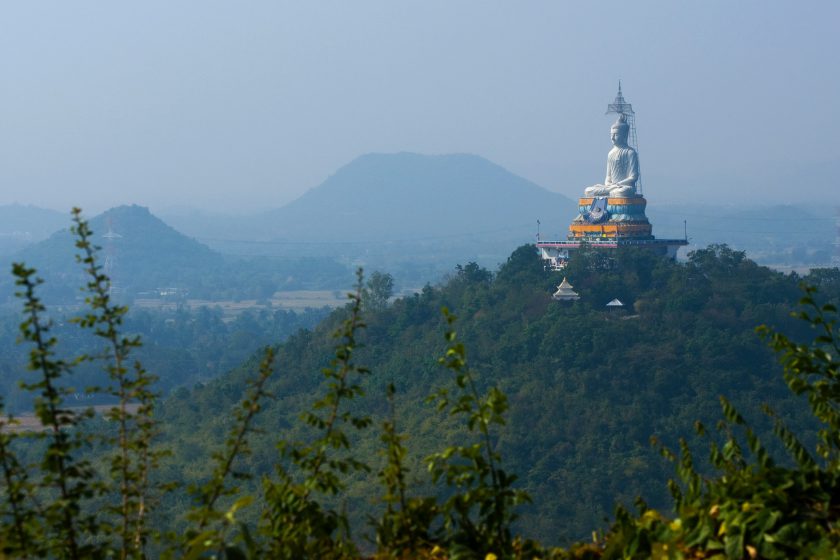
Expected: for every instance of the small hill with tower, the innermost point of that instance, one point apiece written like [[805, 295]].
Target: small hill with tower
[[137, 250], [145, 257]]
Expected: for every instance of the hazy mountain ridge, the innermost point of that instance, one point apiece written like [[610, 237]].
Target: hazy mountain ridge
[[363, 201], [417, 216], [414, 215], [771, 234], [142, 252], [22, 225], [445, 194], [464, 207], [142, 255], [137, 235]]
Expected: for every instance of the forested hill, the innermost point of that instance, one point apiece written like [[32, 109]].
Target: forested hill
[[144, 255], [143, 252], [587, 388]]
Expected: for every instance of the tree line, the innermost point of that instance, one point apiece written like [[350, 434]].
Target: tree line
[[747, 500]]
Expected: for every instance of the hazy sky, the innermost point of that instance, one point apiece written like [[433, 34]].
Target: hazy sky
[[245, 105]]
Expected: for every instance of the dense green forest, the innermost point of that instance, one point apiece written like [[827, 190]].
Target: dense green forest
[[566, 396], [587, 388], [183, 347]]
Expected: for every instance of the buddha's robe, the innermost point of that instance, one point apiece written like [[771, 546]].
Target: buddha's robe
[[622, 174]]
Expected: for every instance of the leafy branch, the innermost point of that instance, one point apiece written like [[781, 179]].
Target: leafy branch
[[479, 514], [295, 521], [134, 459], [73, 479], [201, 539]]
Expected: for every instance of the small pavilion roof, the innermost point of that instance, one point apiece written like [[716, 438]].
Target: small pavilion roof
[[565, 291]]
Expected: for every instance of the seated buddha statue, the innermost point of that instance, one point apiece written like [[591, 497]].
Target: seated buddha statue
[[622, 166]]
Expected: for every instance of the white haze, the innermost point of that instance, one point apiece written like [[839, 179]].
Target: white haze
[[241, 106]]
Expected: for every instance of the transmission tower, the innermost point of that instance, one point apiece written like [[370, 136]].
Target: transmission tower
[[620, 106], [110, 257]]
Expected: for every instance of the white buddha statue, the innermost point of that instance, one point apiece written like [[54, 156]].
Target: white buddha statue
[[622, 166]]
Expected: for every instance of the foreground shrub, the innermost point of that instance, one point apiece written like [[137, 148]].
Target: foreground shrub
[[66, 505]]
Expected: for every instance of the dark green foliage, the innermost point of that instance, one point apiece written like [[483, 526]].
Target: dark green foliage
[[182, 347], [21, 527], [746, 501], [63, 522], [754, 506], [812, 370], [296, 523], [586, 389], [478, 515], [210, 525], [52, 505], [134, 458], [403, 528], [377, 291]]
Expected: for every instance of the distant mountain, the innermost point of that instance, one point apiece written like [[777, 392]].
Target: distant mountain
[[142, 255], [413, 215], [406, 196], [135, 235], [418, 215], [142, 252], [21, 226]]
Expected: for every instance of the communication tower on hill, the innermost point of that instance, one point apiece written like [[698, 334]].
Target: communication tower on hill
[[111, 256]]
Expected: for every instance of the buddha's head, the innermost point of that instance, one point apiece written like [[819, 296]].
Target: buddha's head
[[619, 131]]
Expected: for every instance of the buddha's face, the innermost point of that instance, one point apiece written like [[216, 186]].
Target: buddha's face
[[618, 137]]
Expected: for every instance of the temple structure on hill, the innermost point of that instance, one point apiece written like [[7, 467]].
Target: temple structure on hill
[[612, 214], [565, 292]]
